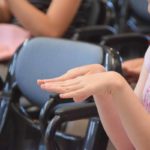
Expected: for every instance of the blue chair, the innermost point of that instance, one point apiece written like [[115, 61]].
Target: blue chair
[[40, 58]]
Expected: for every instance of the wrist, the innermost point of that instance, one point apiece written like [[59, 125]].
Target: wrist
[[110, 85], [119, 87], [117, 81]]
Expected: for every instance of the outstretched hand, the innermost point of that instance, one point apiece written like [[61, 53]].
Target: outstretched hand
[[82, 87], [76, 72], [72, 82]]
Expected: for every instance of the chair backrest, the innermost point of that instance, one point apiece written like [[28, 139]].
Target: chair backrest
[[134, 16], [94, 14], [91, 13], [140, 7], [130, 46], [93, 34], [41, 58], [87, 15]]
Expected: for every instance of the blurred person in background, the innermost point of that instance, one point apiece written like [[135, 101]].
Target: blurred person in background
[[132, 69], [21, 19]]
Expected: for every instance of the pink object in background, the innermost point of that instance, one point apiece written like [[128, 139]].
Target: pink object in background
[[11, 36]]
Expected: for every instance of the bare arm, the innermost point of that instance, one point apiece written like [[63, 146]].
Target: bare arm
[[121, 112], [123, 116], [54, 23], [111, 120], [133, 116], [4, 12], [112, 123]]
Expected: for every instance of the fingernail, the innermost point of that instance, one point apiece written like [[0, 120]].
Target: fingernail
[[43, 86]]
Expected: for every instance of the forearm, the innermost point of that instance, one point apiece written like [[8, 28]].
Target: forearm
[[134, 118], [29, 17], [4, 12], [41, 24], [112, 124]]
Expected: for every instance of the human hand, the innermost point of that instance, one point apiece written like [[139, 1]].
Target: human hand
[[76, 72], [132, 69], [82, 87]]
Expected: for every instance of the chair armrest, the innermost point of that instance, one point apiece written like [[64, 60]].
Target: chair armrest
[[130, 45], [93, 34], [55, 105], [74, 111], [47, 111]]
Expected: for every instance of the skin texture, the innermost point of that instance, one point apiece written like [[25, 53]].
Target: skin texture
[[132, 69], [75, 72], [118, 105], [122, 114], [4, 11], [54, 23]]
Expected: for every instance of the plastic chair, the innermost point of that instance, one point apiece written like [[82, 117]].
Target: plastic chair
[[95, 137], [134, 16], [92, 13], [93, 34], [130, 45], [40, 58], [96, 12]]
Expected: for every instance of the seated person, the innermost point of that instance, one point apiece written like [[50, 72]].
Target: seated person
[[50, 18], [124, 113]]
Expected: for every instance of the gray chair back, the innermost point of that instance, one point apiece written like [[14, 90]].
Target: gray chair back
[[43, 58], [140, 7]]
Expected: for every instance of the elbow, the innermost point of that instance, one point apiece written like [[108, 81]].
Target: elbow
[[55, 34], [143, 146], [47, 29]]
